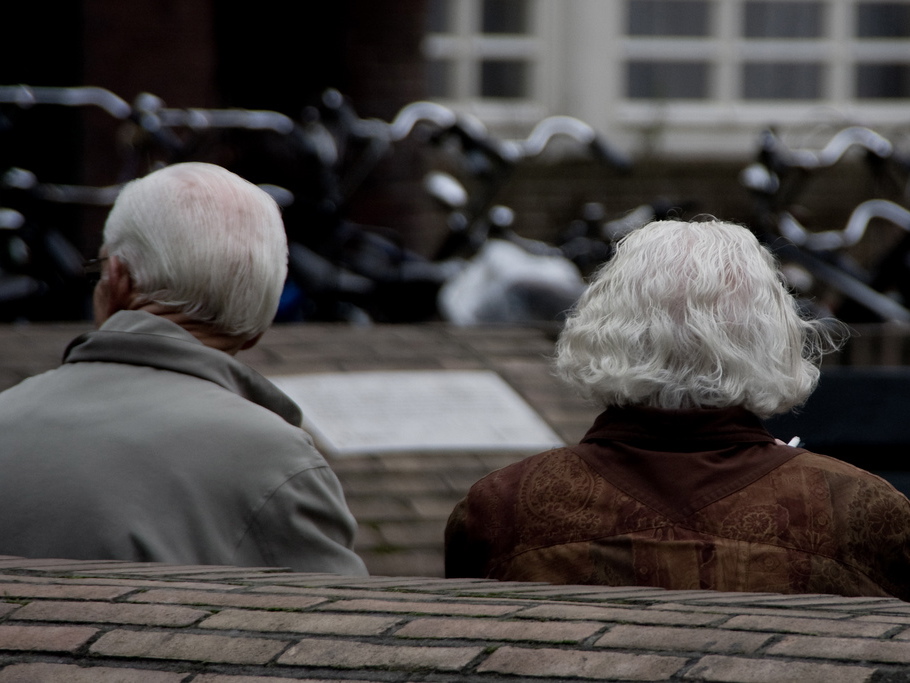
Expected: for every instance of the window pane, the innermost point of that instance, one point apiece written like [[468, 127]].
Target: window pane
[[659, 80], [439, 78], [883, 81], [782, 81], [439, 16], [667, 18], [504, 78], [783, 20], [883, 20], [505, 16]]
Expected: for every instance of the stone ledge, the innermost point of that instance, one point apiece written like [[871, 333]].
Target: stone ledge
[[106, 621]]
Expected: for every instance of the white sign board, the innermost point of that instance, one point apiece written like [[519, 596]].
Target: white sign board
[[371, 412]]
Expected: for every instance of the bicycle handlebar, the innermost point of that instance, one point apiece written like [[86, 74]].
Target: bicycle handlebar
[[856, 227], [10, 219], [576, 129], [227, 118], [410, 115], [830, 154], [25, 96], [21, 179]]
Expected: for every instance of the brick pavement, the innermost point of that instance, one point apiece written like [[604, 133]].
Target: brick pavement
[[118, 622]]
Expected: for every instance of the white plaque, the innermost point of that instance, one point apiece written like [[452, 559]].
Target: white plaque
[[370, 412]]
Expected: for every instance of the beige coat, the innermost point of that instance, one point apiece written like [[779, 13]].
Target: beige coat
[[146, 445]]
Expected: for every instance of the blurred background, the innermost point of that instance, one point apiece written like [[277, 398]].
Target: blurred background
[[681, 98], [543, 131], [683, 87]]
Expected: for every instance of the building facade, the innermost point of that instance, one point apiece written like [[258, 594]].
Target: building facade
[[679, 78]]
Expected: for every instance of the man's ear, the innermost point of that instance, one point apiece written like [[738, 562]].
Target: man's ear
[[120, 287]]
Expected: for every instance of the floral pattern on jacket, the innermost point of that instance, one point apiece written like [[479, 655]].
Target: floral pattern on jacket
[[685, 500]]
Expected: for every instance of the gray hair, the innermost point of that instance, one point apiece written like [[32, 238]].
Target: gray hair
[[692, 315], [203, 241]]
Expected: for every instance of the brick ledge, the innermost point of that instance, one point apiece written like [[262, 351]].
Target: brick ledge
[[105, 621]]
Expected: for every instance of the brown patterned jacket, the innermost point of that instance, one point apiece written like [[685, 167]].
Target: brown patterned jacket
[[700, 499]]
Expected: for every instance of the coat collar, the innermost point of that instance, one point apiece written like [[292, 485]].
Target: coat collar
[[678, 429], [140, 338], [679, 461]]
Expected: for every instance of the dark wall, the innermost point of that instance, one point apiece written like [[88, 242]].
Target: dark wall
[[41, 45], [273, 56], [197, 53]]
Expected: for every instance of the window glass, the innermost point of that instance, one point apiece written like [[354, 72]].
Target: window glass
[[883, 20], [505, 16], [782, 81], [439, 16], [883, 81], [783, 19], [439, 78], [669, 18], [504, 78], [660, 80]]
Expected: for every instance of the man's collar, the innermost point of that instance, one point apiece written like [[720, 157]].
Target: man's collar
[[141, 338]]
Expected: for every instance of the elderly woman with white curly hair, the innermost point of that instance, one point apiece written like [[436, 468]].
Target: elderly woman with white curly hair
[[686, 338]]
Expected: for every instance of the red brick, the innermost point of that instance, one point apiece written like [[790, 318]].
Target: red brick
[[44, 638], [218, 599], [97, 566], [668, 638], [45, 564], [748, 608], [378, 594], [828, 627], [300, 622], [43, 673], [463, 608], [888, 619], [155, 569], [831, 602], [72, 591], [581, 664], [135, 583], [843, 649], [188, 646], [741, 670], [574, 611], [347, 655], [491, 629], [226, 678], [505, 589], [110, 612]]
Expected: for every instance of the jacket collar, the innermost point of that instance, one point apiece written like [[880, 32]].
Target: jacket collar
[[679, 461], [677, 430], [140, 338]]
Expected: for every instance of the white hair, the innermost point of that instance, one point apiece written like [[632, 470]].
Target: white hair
[[692, 315], [203, 241]]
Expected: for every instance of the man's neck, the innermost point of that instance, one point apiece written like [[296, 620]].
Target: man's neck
[[205, 332]]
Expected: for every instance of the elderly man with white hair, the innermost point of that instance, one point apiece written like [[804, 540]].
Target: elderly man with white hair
[[152, 442], [687, 338]]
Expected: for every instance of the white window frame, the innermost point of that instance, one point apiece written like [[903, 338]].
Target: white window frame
[[465, 48], [837, 49], [577, 51]]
